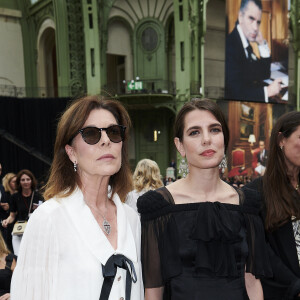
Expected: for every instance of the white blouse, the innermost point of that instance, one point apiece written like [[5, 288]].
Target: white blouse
[[63, 250], [132, 197]]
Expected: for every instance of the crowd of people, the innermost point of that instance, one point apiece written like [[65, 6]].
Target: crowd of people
[[103, 233]]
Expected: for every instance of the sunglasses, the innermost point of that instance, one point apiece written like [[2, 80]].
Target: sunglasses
[[92, 135]]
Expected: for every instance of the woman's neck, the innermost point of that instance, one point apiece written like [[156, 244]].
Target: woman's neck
[[293, 174], [95, 192], [206, 180], [26, 192]]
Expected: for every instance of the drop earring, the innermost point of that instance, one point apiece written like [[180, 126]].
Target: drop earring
[[183, 169], [75, 166], [223, 164]]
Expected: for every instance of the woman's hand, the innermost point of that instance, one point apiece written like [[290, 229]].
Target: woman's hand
[[5, 296], [154, 293], [4, 224], [253, 287], [9, 220], [5, 206]]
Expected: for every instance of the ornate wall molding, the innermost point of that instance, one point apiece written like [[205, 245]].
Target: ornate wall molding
[[76, 48]]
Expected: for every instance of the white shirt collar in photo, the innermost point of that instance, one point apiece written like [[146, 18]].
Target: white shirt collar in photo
[[243, 38]]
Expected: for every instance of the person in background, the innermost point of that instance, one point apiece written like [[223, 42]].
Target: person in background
[[169, 181], [9, 183], [22, 203], [279, 192], [244, 71], [4, 207], [83, 242], [262, 155], [7, 266], [145, 177], [201, 238]]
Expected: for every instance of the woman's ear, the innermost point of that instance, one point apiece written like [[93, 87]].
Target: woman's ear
[[280, 139], [179, 146], [70, 152]]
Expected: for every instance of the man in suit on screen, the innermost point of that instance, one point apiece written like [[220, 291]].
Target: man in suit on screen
[[244, 71]]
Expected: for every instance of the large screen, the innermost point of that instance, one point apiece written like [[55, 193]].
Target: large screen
[[256, 59]]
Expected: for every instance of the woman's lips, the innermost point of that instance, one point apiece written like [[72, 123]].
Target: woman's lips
[[106, 156], [208, 152]]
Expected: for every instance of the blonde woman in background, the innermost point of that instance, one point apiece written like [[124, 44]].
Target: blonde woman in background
[[9, 182], [145, 177], [7, 265]]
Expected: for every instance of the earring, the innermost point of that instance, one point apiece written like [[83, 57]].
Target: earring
[[223, 164], [75, 166], [183, 168], [281, 147]]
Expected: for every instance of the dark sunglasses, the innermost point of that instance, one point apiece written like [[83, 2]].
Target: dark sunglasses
[[92, 135]]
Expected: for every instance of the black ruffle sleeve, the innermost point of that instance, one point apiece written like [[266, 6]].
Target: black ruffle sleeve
[[258, 262], [159, 240]]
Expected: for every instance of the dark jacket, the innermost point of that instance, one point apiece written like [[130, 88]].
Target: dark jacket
[[244, 79], [284, 259], [262, 161]]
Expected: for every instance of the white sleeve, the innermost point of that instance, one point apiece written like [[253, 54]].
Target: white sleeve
[[131, 200], [264, 50], [35, 275]]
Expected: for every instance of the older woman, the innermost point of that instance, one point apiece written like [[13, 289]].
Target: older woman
[[145, 177], [84, 242], [201, 238], [280, 192], [22, 203]]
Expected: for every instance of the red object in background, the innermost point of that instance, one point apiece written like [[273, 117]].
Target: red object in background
[[238, 163]]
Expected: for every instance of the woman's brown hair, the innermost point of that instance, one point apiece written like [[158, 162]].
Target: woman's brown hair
[[29, 174], [202, 104], [62, 179], [280, 196]]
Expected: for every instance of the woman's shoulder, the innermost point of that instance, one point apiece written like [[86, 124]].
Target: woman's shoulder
[[251, 199], [15, 196], [130, 212], [47, 208], [153, 201]]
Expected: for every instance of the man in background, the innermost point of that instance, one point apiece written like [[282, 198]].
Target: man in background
[[244, 71], [262, 155]]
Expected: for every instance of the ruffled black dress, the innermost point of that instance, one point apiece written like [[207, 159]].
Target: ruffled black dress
[[201, 250]]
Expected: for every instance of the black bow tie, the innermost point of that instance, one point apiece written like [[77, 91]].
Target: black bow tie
[[109, 273]]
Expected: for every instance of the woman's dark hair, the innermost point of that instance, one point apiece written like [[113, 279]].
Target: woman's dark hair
[[202, 104], [280, 195], [29, 174], [63, 180]]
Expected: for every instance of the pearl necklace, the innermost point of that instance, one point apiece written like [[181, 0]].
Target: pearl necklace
[[297, 187]]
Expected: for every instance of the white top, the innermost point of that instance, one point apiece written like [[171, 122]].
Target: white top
[[132, 197], [63, 248]]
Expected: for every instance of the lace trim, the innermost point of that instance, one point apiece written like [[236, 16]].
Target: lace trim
[[296, 229]]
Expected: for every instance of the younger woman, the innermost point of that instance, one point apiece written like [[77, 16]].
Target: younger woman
[[201, 238]]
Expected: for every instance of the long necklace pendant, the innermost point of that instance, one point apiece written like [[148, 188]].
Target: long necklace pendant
[[106, 226]]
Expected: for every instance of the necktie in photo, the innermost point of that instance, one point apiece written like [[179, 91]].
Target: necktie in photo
[[250, 52]]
